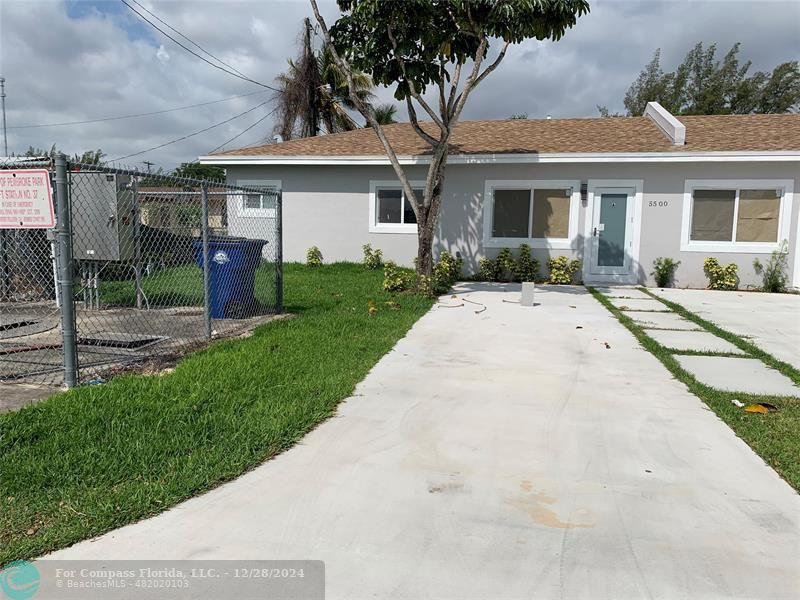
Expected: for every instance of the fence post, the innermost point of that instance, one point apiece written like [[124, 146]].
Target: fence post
[[279, 253], [206, 267], [137, 242], [64, 236]]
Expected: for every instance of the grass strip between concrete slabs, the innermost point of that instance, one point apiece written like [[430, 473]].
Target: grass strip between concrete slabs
[[774, 436], [98, 457]]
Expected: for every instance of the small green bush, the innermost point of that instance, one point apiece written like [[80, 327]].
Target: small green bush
[[446, 272], [487, 270], [773, 274], [664, 271], [721, 277], [562, 269], [373, 259], [505, 264], [526, 268], [397, 279], [313, 257]]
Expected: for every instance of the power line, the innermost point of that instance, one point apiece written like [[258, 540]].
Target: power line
[[240, 134], [186, 137], [190, 51], [195, 44], [132, 116]]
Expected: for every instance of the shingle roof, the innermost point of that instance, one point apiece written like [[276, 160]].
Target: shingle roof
[[717, 133]]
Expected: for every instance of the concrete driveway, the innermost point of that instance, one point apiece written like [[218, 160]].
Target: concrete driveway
[[771, 320], [509, 453]]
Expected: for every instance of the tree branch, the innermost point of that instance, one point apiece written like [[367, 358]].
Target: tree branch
[[494, 65], [454, 88], [366, 110], [412, 116], [411, 88]]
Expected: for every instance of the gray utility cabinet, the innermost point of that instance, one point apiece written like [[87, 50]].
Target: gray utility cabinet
[[103, 216]]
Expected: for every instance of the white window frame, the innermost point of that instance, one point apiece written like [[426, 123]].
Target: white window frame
[[258, 213], [374, 226], [569, 242], [784, 214]]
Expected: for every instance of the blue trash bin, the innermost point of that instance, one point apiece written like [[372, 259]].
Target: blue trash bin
[[232, 269]]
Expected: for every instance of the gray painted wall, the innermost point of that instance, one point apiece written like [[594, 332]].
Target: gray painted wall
[[328, 206]]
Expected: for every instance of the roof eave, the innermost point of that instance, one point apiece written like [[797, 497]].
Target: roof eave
[[508, 158]]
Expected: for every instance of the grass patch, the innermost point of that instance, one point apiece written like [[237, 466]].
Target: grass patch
[[775, 436], [98, 457]]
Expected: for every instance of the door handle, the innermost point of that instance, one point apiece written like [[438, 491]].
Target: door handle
[[594, 233]]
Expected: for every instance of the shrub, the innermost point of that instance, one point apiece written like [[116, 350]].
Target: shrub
[[773, 274], [526, 268], [373, 259], [664, 271], [487, 270], [313, 257], [562, 269], [505, 264], [446, 272], [721, 277], [397, 279]]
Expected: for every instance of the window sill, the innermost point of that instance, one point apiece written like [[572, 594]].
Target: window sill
[[398, 228], [554, 243], [257, 213], [731, 247]]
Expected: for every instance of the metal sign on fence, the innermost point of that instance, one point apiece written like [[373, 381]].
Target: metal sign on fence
[[26, 199]]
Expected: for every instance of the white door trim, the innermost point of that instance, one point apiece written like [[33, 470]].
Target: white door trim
[[633, 274]]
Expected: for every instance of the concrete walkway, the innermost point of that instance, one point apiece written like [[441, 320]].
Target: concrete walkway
[[771, 320], [513, 453]]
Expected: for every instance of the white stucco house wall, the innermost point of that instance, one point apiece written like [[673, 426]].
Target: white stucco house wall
[[615, 193]]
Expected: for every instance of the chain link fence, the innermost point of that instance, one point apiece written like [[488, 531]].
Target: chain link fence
[[138, 270]]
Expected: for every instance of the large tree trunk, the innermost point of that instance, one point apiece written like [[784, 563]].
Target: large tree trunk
[[425, 251], [428, 214]]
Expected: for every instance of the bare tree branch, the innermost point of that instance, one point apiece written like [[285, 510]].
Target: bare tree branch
[[454, 88], [412, 116], [494, 65]]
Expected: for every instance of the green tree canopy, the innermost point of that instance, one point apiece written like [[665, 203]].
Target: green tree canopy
[[703, 85], [413, 45], [194, 170]]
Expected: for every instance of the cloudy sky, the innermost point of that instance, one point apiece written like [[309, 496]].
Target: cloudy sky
[[76, 60]]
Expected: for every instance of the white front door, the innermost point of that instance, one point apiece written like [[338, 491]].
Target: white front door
[[611, 247]]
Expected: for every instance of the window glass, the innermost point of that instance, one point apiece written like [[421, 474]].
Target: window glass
[[511, 218], [252, 201], [712, 215], [389, 204], [757, 220], [408, 212], [551, 213]]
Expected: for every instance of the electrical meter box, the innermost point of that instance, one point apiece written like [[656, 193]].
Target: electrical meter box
[[103, 215]]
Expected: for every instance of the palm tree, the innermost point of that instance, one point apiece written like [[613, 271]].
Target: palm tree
[[384, 114], [313, 96]]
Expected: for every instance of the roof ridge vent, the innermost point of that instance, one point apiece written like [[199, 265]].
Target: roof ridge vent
[[666, 122]]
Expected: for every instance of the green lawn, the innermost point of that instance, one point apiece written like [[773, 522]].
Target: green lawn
[[98, 457], [774, 436]]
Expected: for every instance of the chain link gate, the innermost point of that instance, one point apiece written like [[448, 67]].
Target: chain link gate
[[154, 266]]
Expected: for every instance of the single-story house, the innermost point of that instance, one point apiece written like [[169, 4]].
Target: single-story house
[[615, 193]]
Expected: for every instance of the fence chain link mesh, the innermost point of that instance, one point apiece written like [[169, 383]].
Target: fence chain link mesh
[[160, 266]]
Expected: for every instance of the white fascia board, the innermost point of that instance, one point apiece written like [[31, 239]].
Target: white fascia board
[[666, 122], [566, 157]]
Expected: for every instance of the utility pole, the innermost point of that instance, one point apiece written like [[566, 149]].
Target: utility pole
[[148, 164], [3, 102]]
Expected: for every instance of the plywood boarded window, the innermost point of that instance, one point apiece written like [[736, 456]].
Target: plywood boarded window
[[712, 215], [757, 220], [511, 213], [551, 213]]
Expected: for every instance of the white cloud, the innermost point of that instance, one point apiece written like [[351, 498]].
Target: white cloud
[[162, 54], [103, 64]]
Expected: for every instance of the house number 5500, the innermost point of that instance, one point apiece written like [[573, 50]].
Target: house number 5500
[[659, 203]]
